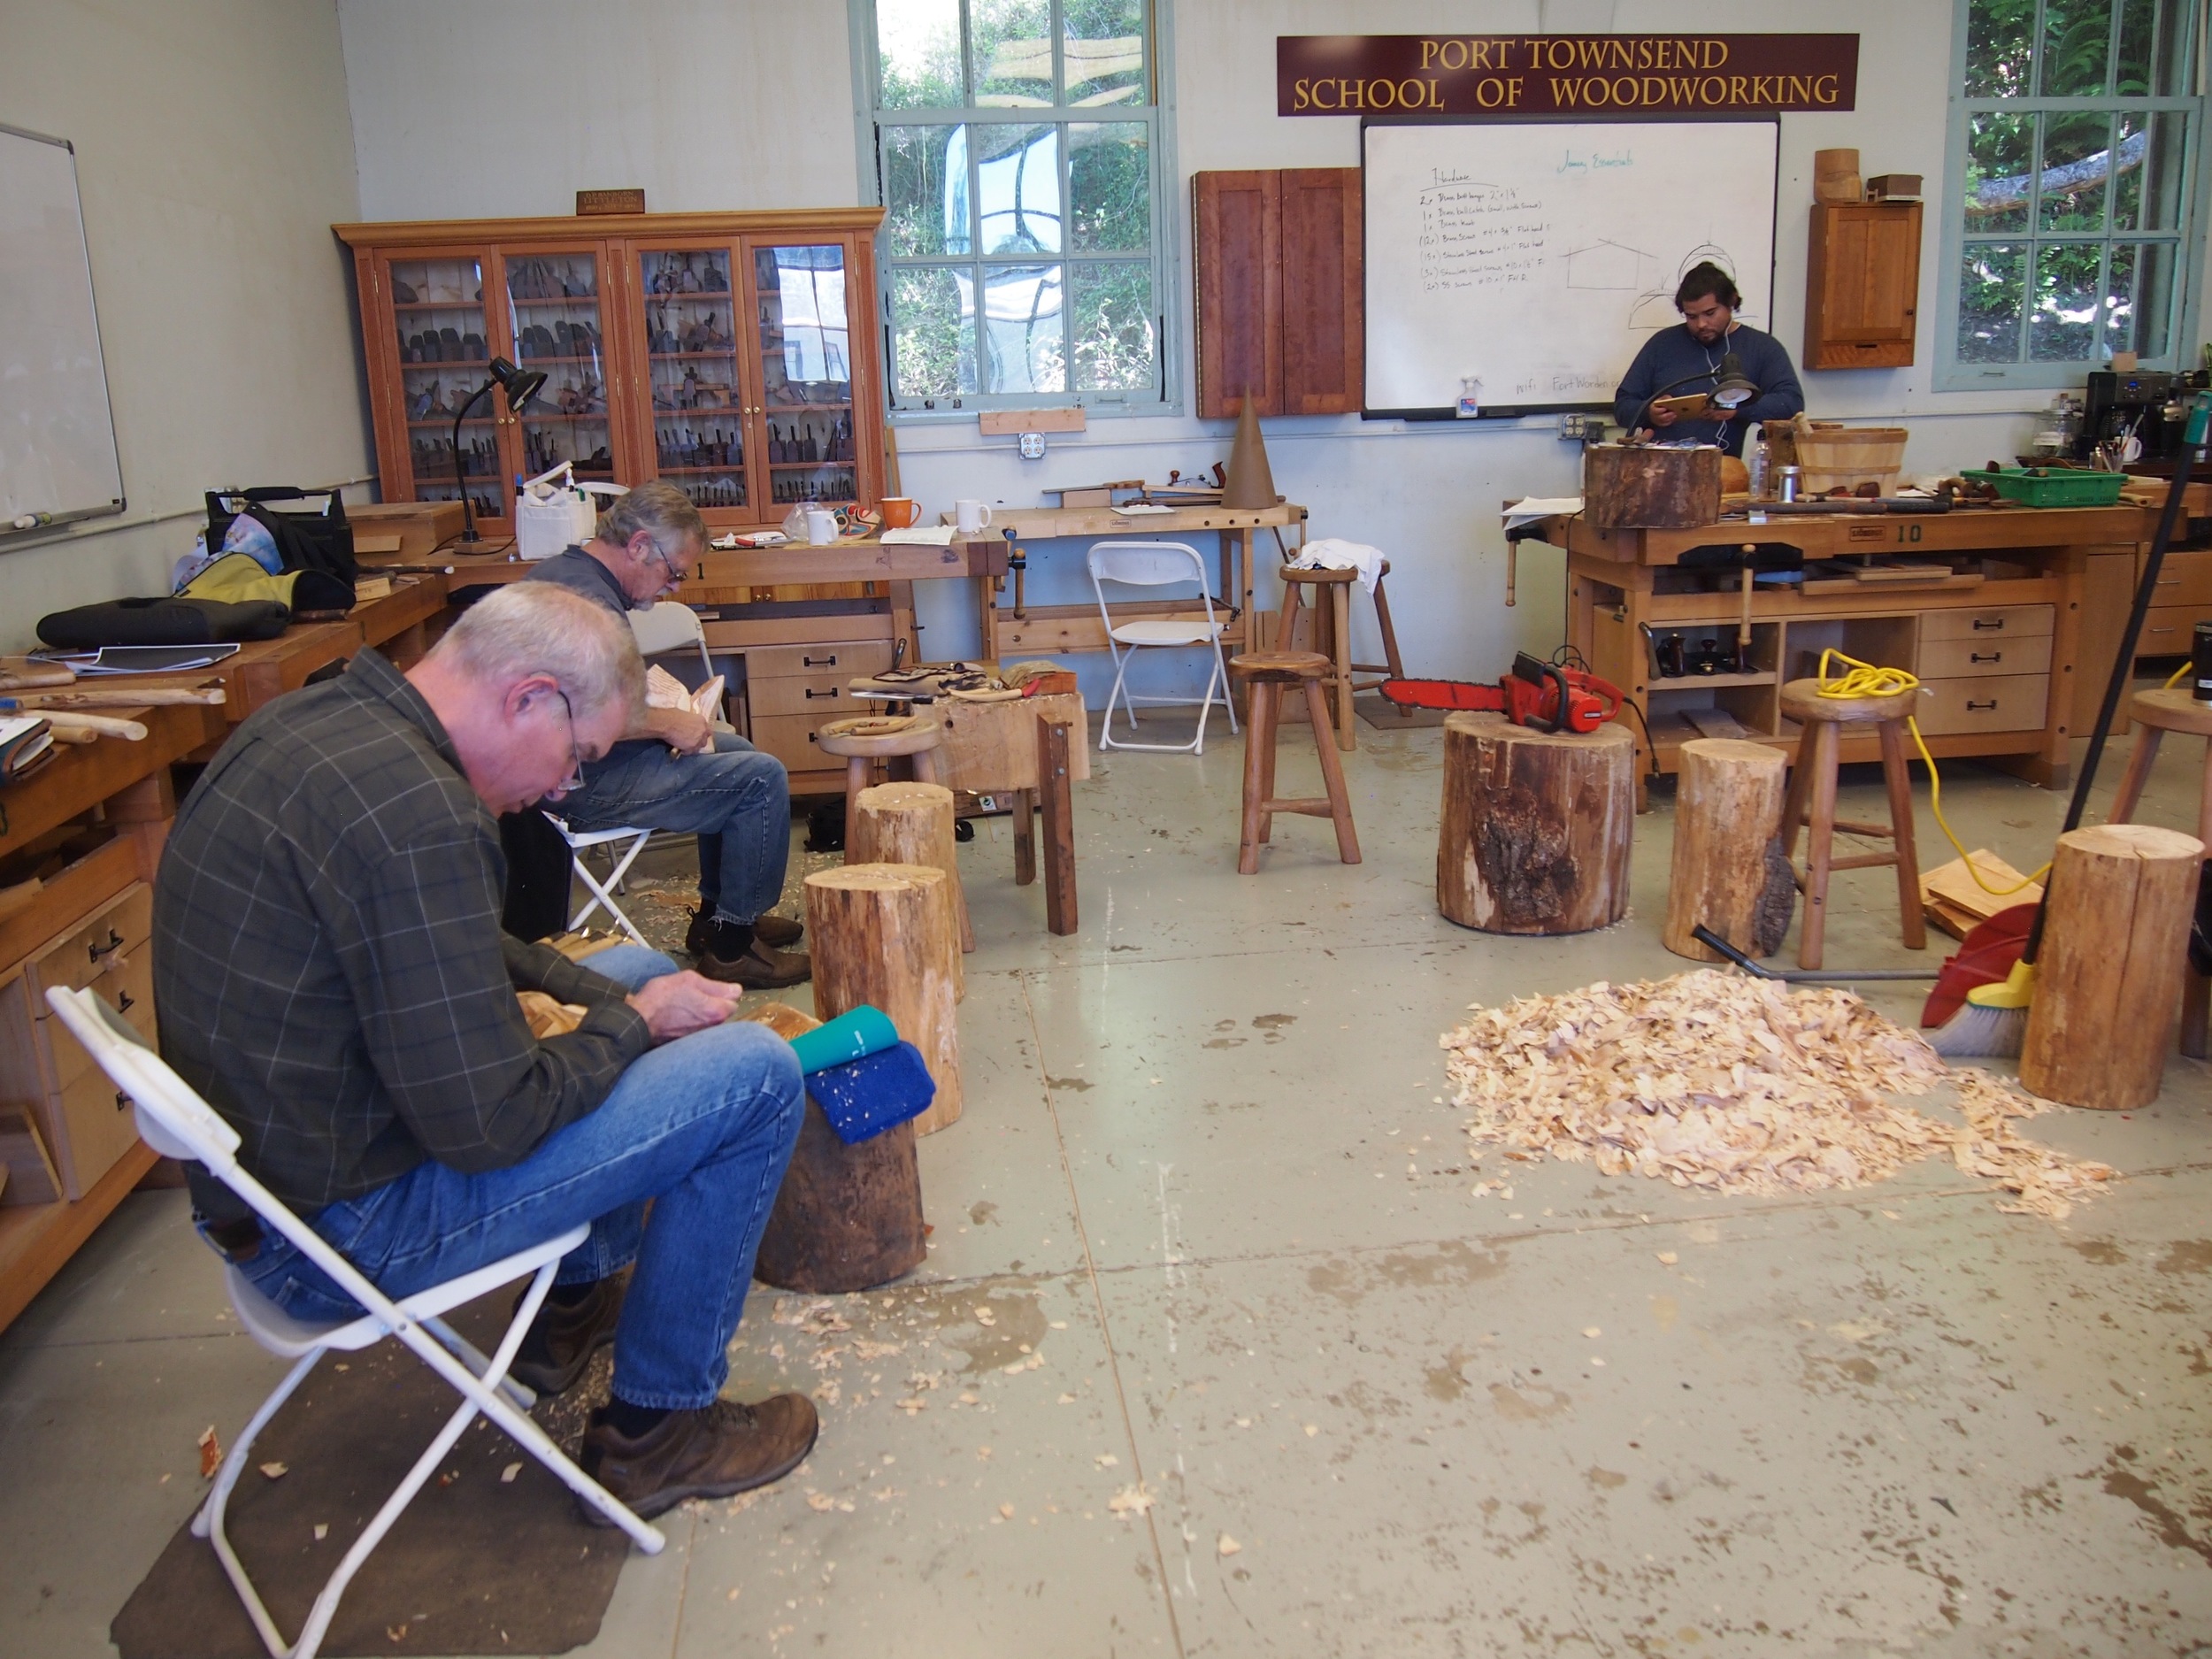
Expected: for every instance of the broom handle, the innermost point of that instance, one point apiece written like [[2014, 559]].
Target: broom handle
[[2122, 669]]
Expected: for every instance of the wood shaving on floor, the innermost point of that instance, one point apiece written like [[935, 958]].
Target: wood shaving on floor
[[1728, 1084]]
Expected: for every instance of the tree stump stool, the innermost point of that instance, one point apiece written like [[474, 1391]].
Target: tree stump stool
[[1813, 789], [1268, 672], [911, 824], [2159, 713], [1535, 829], [1333, 637], [847, 1219], [862, 740], [1727, 807], [883, 935], [2116, 938]]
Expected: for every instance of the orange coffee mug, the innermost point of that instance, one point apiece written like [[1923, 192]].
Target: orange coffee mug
[[899, 512]]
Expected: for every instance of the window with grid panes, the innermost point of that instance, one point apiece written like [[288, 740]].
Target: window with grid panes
[[1018, 154], [2073, 142]]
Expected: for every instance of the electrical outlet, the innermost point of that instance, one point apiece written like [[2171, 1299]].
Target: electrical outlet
[[1033, 446], [1569, 427]]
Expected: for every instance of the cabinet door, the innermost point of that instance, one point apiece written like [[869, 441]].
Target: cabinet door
[[1324, 326], [806, 441], [1237, 224], [434, 337], [554, 320], [698, 397], [1862, 286]]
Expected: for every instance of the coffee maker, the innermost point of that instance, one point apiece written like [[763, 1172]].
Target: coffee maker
[[2151, 405]]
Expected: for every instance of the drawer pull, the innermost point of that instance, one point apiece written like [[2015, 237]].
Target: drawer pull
[[125, 1002], [114, 943], [122, 1100], [818, 662], [1971, 706], [1994, 625], [1978, 656], [833, 694]]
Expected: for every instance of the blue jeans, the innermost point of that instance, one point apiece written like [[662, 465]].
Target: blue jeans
[[703, 1127], [737, 801]]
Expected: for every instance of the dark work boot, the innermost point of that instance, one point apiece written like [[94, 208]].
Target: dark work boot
[[736, 955], [561, 1340], [778, 932], [715, 1452]]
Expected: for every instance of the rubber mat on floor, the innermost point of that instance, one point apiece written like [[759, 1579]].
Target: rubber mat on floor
[[476, 1564]]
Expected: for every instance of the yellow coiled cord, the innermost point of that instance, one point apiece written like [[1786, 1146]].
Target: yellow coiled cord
[[1864, 679]]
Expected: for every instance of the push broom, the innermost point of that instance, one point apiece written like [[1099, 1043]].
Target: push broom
[[1993, 1020]]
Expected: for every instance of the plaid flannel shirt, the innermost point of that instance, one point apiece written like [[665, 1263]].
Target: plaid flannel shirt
[[328, 965]]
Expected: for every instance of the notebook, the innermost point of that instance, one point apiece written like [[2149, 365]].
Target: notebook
[[141, 659], [26, 740]]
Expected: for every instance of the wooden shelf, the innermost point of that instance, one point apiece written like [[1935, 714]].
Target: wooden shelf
[[1703, 682], [437, 305], [695, 357], [557, 299]]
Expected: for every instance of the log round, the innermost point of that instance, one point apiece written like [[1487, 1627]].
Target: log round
[[1535, 832], [1727, 807], [1634, 486], [2107, 978], [882, 934], [911, 824]]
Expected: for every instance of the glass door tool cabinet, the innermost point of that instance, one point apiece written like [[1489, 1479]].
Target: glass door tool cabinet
[[735, 354]]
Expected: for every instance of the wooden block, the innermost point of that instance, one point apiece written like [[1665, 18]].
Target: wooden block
[[879, 934], [1645, 486], [1728, 805], [991, 748], [1054, 746], [1534, 836], [911, 824], [423, 527], [30, 1172], [1009, 423], [2107, 984], [1893, 187]]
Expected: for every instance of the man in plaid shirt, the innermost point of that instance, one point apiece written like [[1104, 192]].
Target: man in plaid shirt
[[333, 978]]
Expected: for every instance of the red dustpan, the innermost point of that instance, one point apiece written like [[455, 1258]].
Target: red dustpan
[[1985, 957]]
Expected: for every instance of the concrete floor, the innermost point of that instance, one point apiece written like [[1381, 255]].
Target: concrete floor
[[1205, 1227]]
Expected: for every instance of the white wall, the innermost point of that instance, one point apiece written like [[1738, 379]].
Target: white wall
[[669, 94], [214, 155]]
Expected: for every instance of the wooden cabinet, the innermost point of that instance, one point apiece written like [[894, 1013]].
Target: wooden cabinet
[[1862, 286], [735, 354], [1281, 309]]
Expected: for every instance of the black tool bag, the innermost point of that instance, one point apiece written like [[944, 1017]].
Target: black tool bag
[[164, 621], [306, 541]]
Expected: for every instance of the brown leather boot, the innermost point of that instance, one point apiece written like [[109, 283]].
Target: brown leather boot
[[561, 1340], [714, 1452]]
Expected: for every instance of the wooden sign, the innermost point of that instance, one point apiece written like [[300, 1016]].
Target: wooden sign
[[595, 203], [1515, 76]]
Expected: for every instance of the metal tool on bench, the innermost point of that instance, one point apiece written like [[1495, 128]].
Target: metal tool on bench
[[1543, 696]]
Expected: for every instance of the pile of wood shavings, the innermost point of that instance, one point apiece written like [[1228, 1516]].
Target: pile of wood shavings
[[1735, 1085]]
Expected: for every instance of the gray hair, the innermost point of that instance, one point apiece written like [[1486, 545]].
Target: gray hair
[[660, 509], [528, 628]]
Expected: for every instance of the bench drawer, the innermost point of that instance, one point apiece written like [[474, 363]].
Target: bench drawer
[[2170, 630], [1959, 659], [122, 929], [839, 659], [1998, 621], [1995, 703], [817, 697]]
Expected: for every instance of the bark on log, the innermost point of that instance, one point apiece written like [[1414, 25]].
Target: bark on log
[[1629, 487], [1727, 806], [2108, 981], [882, 934], [911, 824], [1535, 828]]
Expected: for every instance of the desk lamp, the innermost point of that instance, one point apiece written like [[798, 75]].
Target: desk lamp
[[1733, 389], [520, 385]]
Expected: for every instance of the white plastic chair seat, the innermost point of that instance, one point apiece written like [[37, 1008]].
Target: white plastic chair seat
[[1167, 632]]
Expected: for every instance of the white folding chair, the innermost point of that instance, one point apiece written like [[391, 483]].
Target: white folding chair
[[1156, 564], [176, 1122], [668, 626]]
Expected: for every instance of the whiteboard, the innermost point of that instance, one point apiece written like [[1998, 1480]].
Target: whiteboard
[[57, 434], [1539, 256]]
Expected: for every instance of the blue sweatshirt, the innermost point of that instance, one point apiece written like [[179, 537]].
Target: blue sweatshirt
[[1673, 353]]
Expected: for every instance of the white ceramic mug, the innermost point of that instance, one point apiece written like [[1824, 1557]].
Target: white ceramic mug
[[821, 526], [971, 516]]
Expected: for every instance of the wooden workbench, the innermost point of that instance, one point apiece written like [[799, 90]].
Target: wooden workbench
[[2017, 575]]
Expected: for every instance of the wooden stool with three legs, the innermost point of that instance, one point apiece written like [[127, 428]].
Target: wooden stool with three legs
[[1812, 793], [1269, 671]]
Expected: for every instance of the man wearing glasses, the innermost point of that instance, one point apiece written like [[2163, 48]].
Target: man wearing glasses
[[673, 771], [333, 978]]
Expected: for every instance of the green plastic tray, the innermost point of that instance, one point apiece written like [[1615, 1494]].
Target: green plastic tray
[[2055, 486]]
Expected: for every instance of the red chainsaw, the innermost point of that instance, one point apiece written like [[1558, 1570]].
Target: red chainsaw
[[1543, 696]]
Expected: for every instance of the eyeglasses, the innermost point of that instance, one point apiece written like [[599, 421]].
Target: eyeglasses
[[575, 778], [673, 572]]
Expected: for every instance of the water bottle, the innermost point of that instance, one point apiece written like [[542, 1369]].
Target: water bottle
[[1757, 466]]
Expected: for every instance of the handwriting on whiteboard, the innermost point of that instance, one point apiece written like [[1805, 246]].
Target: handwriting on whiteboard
[[1476, 235]]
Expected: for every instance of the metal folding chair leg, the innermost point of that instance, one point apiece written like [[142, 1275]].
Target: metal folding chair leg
[[602, 893]]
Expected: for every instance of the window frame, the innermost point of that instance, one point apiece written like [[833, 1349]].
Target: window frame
[[1953, 375], [1167, 396]]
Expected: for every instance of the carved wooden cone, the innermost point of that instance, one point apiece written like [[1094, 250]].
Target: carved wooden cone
[[911, 824], [1727, 805], [882, 934], [2107, 980], [1535, 830], [847, 1219]]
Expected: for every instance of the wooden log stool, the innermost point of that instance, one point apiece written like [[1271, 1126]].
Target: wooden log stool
[[884, 934], [1268, 672], [847, 1219], [2159, 713], [2116, 938], [1812, 795], [1034, 750], [1332, 638], [863, 741], [911, 824], [1536, 825], [1727, 806]]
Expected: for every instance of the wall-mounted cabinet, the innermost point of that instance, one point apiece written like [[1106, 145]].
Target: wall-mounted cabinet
[[733, 354], [1281, 286], [1862, 286]]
